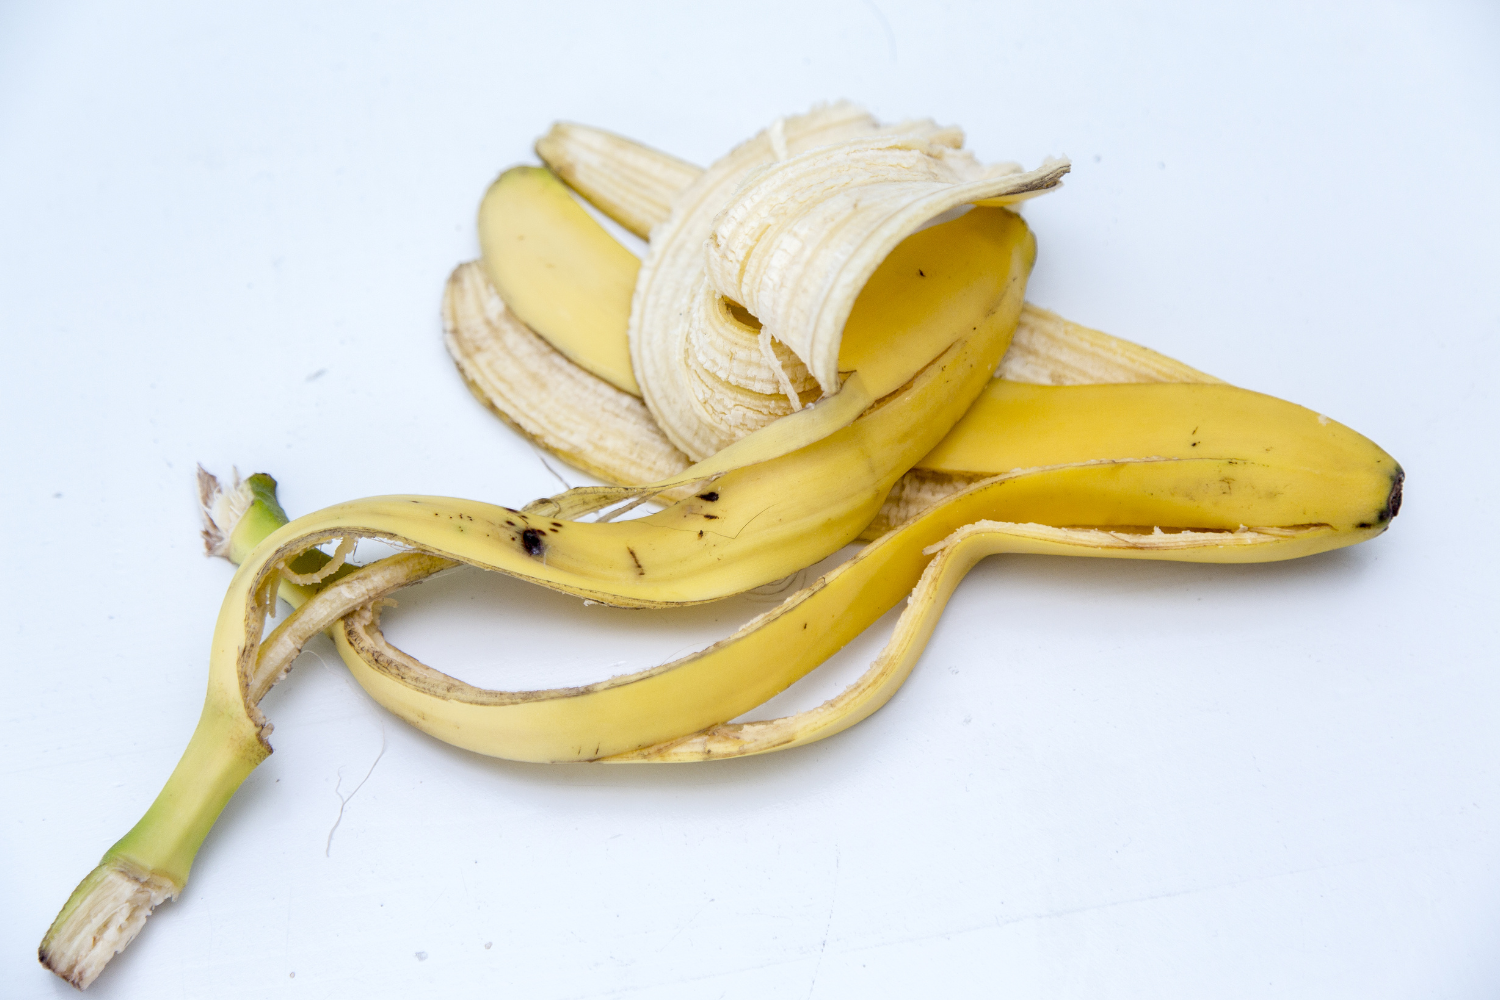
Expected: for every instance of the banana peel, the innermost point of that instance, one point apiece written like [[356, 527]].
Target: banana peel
[[790, 387]]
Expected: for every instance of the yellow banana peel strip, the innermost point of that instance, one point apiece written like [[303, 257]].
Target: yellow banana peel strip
[[955, 556], [802, 238], [537, 244], [632, 184], [614, 719]]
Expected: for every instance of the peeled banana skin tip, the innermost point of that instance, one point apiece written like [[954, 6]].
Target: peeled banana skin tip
[[1393, 502]]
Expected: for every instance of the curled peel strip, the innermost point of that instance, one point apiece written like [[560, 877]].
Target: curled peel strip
[[800, 241], [891, 178]]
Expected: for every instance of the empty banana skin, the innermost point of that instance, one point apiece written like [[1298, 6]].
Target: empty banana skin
[[827, 340]]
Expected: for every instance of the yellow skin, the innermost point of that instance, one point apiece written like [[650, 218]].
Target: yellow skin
[[538, 242], [1136, 457], [1296, 466]]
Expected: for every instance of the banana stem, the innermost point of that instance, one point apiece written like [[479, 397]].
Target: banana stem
[[219, 757], [151, 863]]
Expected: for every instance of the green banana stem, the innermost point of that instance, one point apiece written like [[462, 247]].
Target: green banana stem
[[151, 863], [263, 516]]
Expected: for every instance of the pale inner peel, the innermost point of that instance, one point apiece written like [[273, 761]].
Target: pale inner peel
[[105, 913], [858, 188]]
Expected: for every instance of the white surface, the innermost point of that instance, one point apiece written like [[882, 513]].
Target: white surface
[[1102, 781]]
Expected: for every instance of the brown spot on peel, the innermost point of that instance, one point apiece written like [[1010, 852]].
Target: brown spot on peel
[[531, 541]]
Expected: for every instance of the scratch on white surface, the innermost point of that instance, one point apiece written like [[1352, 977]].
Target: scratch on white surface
[[1131, 901], [621, 991], [546, 465], [685, 924], [828, 925], [344, 799]]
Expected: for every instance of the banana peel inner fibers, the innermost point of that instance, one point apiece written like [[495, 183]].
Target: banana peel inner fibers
[[827, 341]]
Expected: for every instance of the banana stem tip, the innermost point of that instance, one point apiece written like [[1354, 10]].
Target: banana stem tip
[[101, 918]]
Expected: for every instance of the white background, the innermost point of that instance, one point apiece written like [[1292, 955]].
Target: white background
[[224, 230]]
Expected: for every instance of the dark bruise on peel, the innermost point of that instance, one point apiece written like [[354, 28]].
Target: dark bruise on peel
[[531, 541], [639, 569], [1393, 499], [711, 496]]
